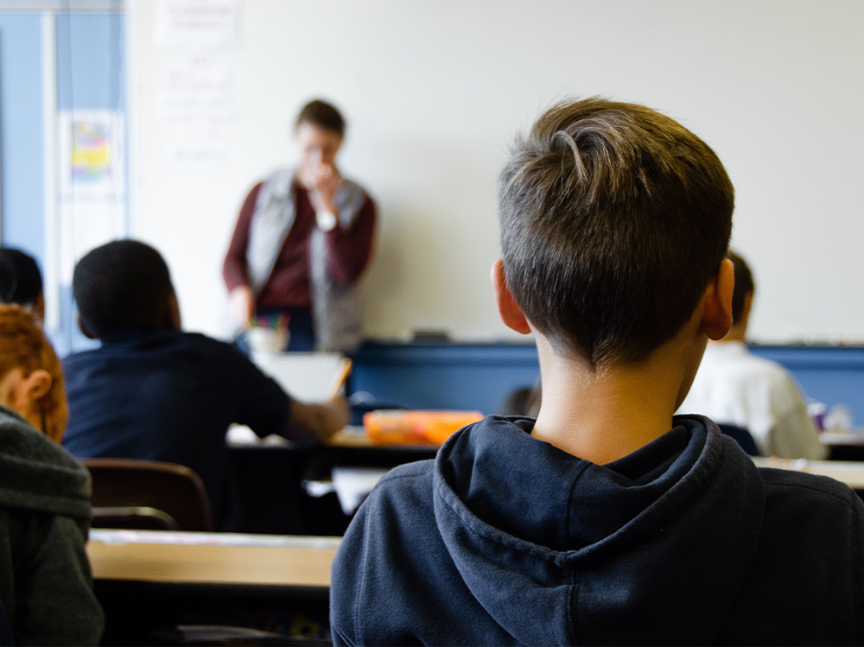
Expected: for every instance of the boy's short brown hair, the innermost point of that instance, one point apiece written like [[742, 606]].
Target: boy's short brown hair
[[614, 218]]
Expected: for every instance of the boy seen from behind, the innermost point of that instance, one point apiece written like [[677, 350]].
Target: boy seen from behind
[[154, 392], [606, 520]]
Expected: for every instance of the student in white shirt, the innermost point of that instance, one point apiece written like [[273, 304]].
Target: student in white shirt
[[735, 387]]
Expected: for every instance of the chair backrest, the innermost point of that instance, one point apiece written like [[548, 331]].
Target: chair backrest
[[6, 636], [742, 437], [147, 495]]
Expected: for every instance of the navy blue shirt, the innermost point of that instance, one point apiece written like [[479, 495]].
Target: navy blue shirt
[[166, 395]]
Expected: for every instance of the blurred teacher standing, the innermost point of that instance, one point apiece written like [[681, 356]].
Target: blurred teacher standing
[[302, 240]]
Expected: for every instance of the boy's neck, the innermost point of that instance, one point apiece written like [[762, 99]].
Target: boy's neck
[[604, 415]]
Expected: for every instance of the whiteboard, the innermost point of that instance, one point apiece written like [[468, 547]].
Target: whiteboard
[[434, 91]]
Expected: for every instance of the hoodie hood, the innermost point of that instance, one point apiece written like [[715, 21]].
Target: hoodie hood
[[37, 474], [664, 536]]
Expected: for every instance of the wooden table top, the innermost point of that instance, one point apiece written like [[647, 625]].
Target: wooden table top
[[849, 472], [211, 558], [351, 437], [356, 437], [843, 438]]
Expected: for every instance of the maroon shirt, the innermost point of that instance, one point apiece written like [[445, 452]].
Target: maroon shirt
[[348, 252]]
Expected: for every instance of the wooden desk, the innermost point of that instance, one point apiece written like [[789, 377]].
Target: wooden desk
[[355, 437], [209, 558], [154, 581], [848, 438], [849, 472], [349, 437], [844, 446]]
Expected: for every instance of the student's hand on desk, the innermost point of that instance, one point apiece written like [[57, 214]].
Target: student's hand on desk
[[338, 413], [321, 419], [243, 303]]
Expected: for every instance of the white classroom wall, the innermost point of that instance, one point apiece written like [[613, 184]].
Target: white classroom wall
[[433, 92]]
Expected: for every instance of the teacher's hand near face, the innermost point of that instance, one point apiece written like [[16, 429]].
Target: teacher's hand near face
[[325, 183]]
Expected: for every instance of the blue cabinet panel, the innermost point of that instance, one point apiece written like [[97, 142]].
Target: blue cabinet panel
[[479, 376]]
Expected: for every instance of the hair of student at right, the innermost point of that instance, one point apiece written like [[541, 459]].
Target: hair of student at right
[[743, 284], [322, 114], [23, 345], [121, 285], [20, 278], [614, 218]]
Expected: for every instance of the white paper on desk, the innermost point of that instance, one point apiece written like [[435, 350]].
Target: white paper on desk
[[241, 436], [221, 635], [305, 376], [110, 536], [353, 485]]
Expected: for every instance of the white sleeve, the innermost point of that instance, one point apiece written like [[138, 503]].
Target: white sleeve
[[793, 434]]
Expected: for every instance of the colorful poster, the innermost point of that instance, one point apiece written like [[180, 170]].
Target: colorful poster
[[91, 159], [91, 147]]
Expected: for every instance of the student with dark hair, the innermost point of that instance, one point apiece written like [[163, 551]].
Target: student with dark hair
[[154, 392], [606, 521], [45, 584], [21, 282], [302, 240], [734, 386]]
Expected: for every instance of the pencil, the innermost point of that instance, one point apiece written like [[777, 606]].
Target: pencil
[[341, 375]]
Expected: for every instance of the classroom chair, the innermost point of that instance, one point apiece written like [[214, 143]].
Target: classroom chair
[[6, 637], [147, 495], [742, 437]]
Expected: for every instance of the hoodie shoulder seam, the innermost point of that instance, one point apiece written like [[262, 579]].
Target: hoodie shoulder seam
[[417, 469], [804, 486]]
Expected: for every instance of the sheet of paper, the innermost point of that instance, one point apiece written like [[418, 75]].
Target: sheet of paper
[[305, 376], [353, 485], [107, 536]]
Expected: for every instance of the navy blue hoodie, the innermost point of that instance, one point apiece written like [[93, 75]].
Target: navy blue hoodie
[[505, 539]]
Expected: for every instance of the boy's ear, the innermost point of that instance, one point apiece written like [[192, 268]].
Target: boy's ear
[[37, 384], [84, 329], [510, 312], [717, 316]]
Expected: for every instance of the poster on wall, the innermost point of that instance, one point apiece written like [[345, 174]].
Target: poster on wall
[[195, 105], [92, 182], [196, 23], [91, 154]]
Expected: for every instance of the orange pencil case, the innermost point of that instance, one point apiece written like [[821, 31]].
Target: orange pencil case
[[397, 427]]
